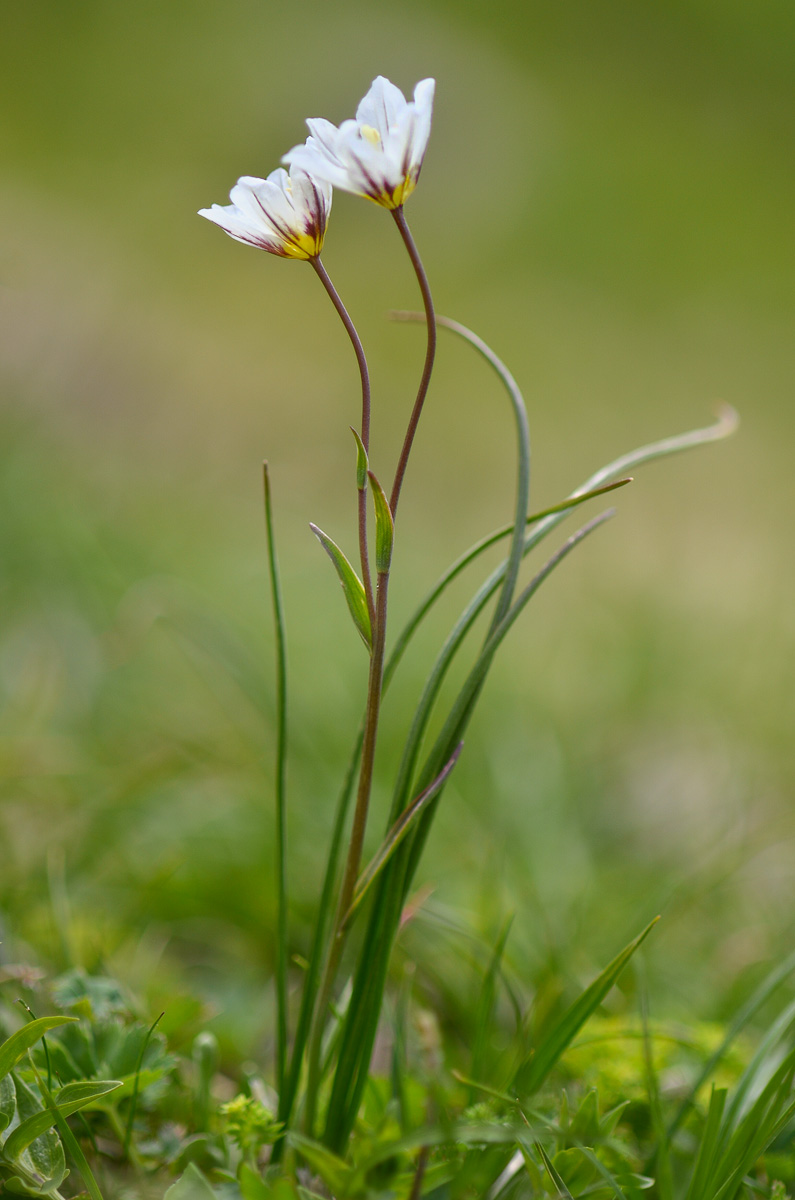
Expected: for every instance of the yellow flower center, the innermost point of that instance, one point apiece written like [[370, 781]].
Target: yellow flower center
[[370, 135]]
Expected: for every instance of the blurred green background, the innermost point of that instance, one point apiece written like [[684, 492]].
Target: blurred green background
[[608, 199]]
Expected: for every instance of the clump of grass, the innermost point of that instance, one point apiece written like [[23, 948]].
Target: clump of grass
[[525, 1110]]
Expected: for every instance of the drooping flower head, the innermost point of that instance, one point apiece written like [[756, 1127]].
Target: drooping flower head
[[283, 214], [379, 155]]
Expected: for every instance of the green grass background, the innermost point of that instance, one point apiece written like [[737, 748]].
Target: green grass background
[[608, 199]]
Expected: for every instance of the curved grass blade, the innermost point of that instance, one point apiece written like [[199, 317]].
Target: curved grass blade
[[748, 1082], [401, 827], [352, 586], [469, 556], [546, 521], [459, 716], [514, 560], [532, 1074], [136, 1085], [281, 795], [741, 1019]]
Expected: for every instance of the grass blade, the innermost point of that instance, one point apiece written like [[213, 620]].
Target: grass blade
[[741, 1019], [403, 825], [553, 1174], [533, 1073], [281, 791]]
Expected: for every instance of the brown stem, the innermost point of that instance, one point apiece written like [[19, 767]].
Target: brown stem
[[430, 353], [350, 328]]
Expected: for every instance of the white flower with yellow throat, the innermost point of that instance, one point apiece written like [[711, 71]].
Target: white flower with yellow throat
[[379, 154]]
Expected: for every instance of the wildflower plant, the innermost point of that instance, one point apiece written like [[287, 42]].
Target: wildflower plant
[[324, 1047]]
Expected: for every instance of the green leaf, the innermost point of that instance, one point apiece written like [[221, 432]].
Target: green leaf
[[13, 1048], [352, 586], [8, 1102], [334, 1172], [46, 1154], [191, 1185], [384, 527], [707, 1151], [554, 1175], [532, 1073], [69, 1099], [361, 462]]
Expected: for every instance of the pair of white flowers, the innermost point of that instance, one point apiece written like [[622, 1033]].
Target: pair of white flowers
[[378, 155]]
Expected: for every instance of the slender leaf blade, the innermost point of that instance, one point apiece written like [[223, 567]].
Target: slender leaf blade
[[352, 586], [16, 1046], [532, 1074]]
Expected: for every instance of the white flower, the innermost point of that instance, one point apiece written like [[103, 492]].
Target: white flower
[[379, 155], [283, 214]]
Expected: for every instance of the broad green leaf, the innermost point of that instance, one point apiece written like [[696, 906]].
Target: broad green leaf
[[46, 1154], [532, 1074], [384, 527], [69, 1099], [8, 1102], [15, 1047], [352, 586], [191, 1185]]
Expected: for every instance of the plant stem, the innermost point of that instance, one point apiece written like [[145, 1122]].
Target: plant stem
[[353, 862], [430, 354], [361, 359]]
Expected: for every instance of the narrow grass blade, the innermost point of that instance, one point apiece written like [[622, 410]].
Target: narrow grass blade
[[486, 1001], [281, 790], [742, 1146], [317, 952], [415, 620], [136, 1086], [740, 1020], [748, 1082], [662, 1158], [403, 825], [523, 451], [16, 1046], [708, 1150], [352, 586], [607, 1175], [532, 1074], [554, 1175], [460, 714]]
